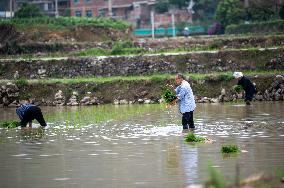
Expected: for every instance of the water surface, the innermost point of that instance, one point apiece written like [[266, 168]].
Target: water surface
[[139, 146]]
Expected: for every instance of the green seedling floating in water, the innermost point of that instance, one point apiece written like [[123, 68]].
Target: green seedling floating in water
[[230, 149], [191, 137], [168, 96], [9, 124], [238, 88]]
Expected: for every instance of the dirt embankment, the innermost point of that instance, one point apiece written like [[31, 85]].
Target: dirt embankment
[[10, 33]]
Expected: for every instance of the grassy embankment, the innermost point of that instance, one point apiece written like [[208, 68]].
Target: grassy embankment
[[127, 49], [222, 76]]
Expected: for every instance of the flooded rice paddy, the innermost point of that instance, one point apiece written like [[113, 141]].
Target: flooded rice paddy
[[139, 146]]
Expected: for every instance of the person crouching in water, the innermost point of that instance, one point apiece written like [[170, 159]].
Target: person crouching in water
[[186, 102], [247, 85], [28, 112]]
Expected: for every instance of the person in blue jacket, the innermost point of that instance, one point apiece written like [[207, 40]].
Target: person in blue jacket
[[28, 112], [186, 101]]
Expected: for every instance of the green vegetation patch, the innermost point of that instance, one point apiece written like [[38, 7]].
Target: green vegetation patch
[[216, 178], [230, 149], [191, 137], [9, 124], [260, 27], [22, 82], [62, 22]]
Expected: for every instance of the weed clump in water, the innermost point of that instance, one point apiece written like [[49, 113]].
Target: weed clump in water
[[191, 137], [9, 124], [230, 149]]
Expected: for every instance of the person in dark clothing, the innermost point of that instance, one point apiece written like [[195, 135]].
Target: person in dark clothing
[[29, 112], [247, 85]]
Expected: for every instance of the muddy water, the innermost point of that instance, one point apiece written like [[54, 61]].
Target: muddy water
[[139, 146]]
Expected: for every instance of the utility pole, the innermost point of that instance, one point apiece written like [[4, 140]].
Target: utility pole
[[110, 8], [11, 8], [56, 8], [153, 24], [173, 25]]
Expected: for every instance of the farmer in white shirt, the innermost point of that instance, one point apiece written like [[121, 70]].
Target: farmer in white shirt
[[186, 102]]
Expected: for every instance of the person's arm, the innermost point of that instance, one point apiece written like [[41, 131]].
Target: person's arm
[[23, 123], [181, 94], [30, 124]]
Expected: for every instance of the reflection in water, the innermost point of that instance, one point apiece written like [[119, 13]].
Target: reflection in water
[[189, 159], [138, 146]]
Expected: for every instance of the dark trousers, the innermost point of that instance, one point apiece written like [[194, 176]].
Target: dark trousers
[[187, 120], [32, 113]]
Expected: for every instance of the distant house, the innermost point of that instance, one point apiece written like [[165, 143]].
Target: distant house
[[5, 9], [135, 12], [86, 8], [46, 6]]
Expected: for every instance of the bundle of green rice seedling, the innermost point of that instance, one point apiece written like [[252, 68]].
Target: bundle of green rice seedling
[[9, 124], [238, 88], [191, 137], [168, 95], [230, 149]]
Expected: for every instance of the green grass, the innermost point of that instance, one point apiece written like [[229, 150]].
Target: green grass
[[9, 124], [127, 51], [21, 82], [230, 149], [191, 137], [216, 178], [62, 22], [84, 116], [154, 77]]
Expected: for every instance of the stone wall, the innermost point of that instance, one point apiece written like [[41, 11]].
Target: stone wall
[[205, 62], [269, 88]]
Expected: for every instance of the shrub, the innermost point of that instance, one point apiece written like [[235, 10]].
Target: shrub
[[230, 12], [191, 137], [215, 29], [230, 149], [161, 6], [28, 11], [281, 12], [260, 27]]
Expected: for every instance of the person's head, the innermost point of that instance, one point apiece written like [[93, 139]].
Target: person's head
[[179, 78], [238, 75], [186, 29]]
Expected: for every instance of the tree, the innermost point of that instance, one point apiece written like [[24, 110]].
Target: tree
[[262, 10], [28, 11], [281, 12], [205, 9], [161, 6], [179, 3], [230, 12]]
